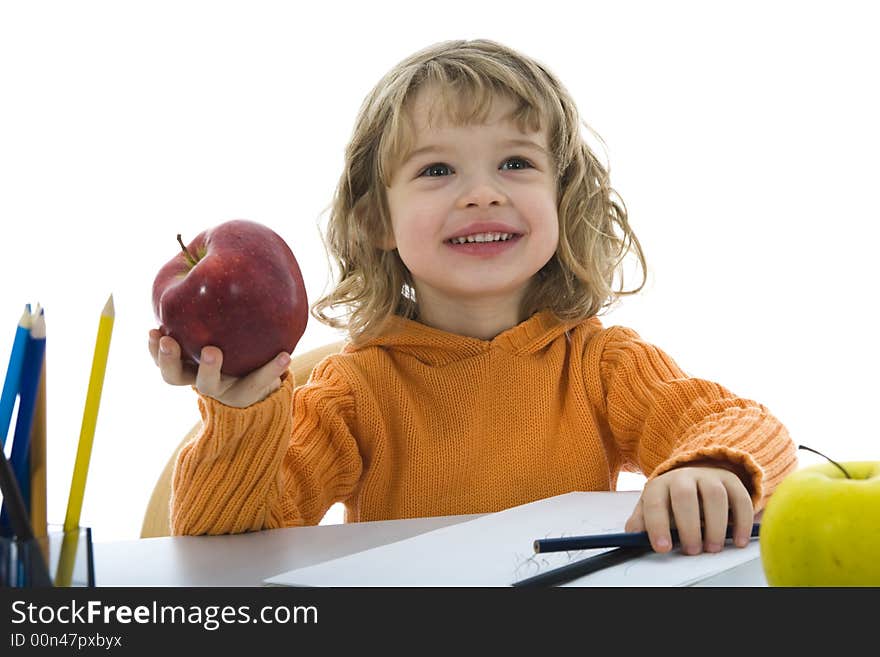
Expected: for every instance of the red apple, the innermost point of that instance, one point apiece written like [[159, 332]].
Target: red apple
[[238, 287]]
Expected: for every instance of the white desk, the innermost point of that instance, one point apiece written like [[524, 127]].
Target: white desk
[[246, 559]]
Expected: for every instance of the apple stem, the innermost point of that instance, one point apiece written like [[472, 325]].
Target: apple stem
[[189, 257], [810, 449]]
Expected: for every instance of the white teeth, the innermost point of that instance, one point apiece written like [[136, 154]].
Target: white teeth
[[482, 237]]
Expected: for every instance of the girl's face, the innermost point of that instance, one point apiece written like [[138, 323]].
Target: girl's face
[[473, 209]]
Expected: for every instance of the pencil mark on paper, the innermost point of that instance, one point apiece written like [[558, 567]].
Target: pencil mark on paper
[[527, 565]]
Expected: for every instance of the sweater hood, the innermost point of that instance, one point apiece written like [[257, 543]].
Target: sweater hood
[[436, 347]]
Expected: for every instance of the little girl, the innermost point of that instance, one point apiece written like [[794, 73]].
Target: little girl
[[477, 239]]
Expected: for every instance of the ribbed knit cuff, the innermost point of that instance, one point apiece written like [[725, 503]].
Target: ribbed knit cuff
[[225, 478]]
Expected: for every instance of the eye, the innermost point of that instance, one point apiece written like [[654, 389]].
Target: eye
[[516, 164], [436, 170]]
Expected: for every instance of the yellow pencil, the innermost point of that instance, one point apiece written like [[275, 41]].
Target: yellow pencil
[[90, 417], [67, 556]]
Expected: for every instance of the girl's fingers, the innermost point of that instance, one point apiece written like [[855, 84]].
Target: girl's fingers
[[713, 499], [685, 504], [742, 510], [170, 364], [700, 501], [636, 522], [208, 377], [260, 383], [655, 515], [153, 344]]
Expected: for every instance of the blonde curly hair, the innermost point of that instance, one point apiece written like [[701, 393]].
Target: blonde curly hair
[[594, 233]]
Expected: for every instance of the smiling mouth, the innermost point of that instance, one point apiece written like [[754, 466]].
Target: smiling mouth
[[482, 238]]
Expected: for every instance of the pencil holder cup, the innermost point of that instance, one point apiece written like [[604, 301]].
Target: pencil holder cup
[[58, 559]]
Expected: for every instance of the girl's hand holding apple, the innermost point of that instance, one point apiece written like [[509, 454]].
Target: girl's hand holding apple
[[207, 378]]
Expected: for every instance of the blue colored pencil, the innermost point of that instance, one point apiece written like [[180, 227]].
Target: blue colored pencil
[[13, 373], [30, 382], [626, 539]]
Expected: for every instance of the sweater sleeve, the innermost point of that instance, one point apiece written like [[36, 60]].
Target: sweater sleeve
[[280, 462], [660, 418]]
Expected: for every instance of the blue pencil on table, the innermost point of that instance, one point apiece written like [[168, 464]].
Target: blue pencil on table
[[626, 539], [13, 373]]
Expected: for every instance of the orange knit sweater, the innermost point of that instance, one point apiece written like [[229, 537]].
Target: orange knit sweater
[[421, 422]]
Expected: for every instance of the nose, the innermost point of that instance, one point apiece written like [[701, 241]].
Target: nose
[[481, 192]]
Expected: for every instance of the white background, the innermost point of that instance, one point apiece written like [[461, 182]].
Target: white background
[[743, 140]]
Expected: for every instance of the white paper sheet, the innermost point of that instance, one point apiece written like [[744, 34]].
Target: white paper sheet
[[496, 550]]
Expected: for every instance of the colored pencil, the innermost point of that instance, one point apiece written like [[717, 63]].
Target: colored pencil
[[19, 524], [627, 539], [90, 417], [37, 570], [583, 567], [13, 373], [30, 382], [67, 558], [39, 514]]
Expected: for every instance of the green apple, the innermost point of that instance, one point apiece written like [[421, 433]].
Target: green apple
[[821, 528]]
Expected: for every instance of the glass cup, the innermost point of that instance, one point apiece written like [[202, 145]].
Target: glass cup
[[57, 559]]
